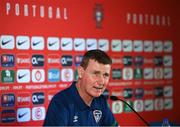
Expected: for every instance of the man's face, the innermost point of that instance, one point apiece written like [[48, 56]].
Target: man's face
[[94, 78]]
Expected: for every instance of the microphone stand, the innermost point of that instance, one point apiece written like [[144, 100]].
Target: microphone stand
[[116, 98]]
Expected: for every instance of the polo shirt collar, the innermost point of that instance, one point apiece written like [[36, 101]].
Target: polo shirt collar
[[78, 100]]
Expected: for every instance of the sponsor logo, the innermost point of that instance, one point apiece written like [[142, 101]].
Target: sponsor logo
[[91, 44], [38, 75], [7, 100], [138, 60], [117, 107], [79, 44], [23, 114], [158, 60], [53, 75], [168, 91], [98, 15], [138, 105], [127, 60], [127, 93], [148, 73], [66, 44], [38, 98], [158, 104], [66, 60], [168, 46], [37, 60], [23, 60], [116, 60], [75, 119], [168, 103], [38, 113], [7, 76], [7, 60], [116, 73], [103, 44], [23, 99], [126, 107], [127, 46], [127, 73], [50, 95], [97, 115], [23, 75], [78, 60], [138, 73], [138, 46], [116, 45], [148, 105], [158, 73], [148, 46], [53, 60], [53, 43], [67, 75], [158, 46], [168, 74], [158, 92], [7, 42], [8, 116], [37, 43], [168, 60], [139, 93], [22, 42]]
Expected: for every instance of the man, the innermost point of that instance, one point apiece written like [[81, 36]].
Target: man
[[82, 103]]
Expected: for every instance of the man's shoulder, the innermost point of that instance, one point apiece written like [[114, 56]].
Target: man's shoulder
[[62, 95]]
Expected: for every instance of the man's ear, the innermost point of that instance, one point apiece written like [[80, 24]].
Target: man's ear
[[80, 71]]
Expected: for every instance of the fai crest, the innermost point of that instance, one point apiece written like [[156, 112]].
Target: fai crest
[[97, 115]]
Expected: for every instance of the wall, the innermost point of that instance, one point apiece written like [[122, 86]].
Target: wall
[[140, 36]]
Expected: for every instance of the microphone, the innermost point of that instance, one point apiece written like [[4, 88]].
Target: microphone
[[114, 98]]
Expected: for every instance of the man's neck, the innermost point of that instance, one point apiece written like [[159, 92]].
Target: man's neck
[[86, 98]]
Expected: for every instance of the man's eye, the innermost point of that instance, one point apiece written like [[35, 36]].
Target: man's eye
[[106, 75]]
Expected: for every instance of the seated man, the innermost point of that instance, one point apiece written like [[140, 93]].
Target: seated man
[[82, 104]]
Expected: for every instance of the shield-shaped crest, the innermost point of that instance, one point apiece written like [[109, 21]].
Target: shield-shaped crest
[[97, 115]]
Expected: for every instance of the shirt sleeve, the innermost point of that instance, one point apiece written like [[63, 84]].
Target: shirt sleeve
[[109, 119], [57, 114]]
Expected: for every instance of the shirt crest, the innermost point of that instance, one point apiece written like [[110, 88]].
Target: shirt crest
[[97, 115]]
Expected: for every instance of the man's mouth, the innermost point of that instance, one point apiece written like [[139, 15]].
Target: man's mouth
[[98, 88]]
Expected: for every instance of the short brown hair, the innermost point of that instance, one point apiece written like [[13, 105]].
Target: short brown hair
[[97, 55]]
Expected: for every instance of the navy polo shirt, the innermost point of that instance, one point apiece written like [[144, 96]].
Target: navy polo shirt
[[68, 109]]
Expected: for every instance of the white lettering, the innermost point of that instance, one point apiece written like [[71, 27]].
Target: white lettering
[[152, 20], [17, 11], [42, 11], [147, 19], [157, 20], [65, 14], [163, 21], [26, 10], [34, 10], [134, 18], [8, 7], [23, 60], [50, 13], [58, 16], [140, 19], [128, 18]]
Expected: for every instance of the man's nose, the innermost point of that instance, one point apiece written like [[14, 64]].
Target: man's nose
[[101, 79]]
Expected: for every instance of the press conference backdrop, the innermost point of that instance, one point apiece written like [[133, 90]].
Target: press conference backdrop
[[42, 43]]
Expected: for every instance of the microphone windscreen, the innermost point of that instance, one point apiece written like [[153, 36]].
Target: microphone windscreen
[[114, 98]]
